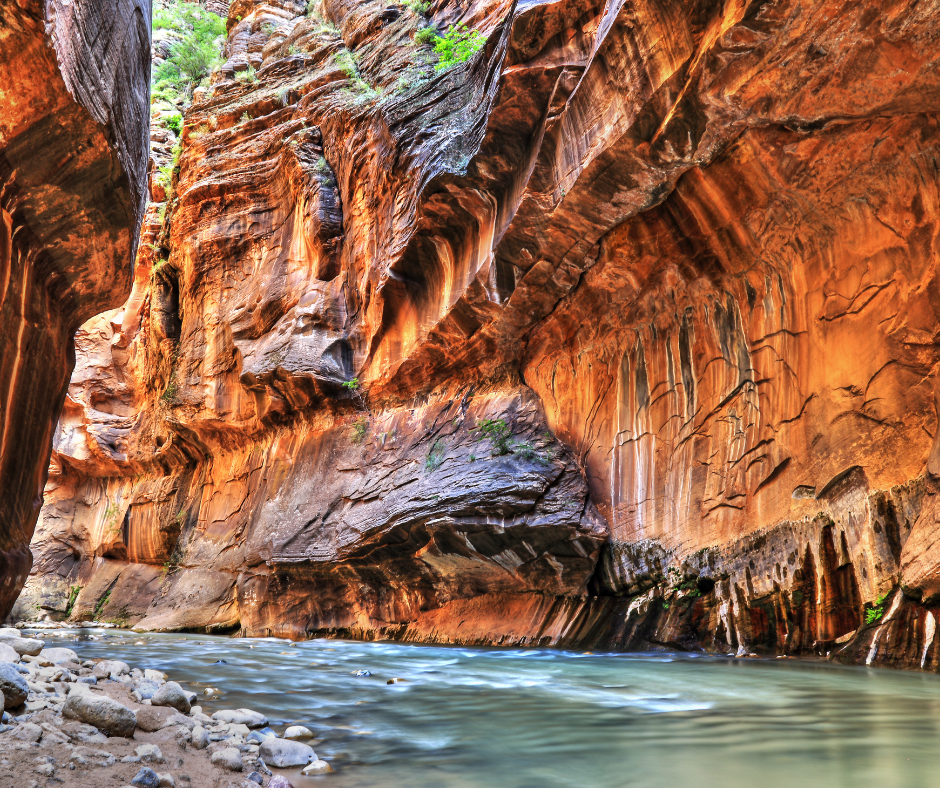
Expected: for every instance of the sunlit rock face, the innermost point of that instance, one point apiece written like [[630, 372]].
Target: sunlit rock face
[[685, 252], [73, 158]]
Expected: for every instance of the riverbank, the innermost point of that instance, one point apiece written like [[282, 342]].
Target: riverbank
[[73, 722]]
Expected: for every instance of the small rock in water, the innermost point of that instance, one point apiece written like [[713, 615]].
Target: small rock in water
[[229, 758], [317, 767], [146, 778], [395, 681], [157, 676], [256, 737], [171, 694], [283, 754], [241, 717], [362, 673], [220, 662], [298, 733]]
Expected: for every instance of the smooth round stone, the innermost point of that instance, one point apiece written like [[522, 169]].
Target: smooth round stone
[[12, 685], [229, 758], [200, 738], [284, 754], [171, 694], [7, 654], [298, 733]]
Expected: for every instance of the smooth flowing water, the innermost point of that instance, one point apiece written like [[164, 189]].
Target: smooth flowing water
[[538, 718]]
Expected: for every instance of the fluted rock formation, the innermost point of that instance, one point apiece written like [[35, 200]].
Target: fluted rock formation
[[686, 253], [73, 158]]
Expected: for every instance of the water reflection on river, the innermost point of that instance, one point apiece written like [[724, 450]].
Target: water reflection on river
[[539, 718]]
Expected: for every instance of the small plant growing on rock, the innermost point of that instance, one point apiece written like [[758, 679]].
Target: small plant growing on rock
[[458, 45], [282, 95], [174, 123], [244, 118], [360, 427], [248, 76], [426, 36], [435, 457], [420, 7], [498, 432], [102, 604], [74, 591], [876, 609]]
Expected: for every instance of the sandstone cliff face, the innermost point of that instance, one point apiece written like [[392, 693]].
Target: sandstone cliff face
[[686, 253], [73, 156]]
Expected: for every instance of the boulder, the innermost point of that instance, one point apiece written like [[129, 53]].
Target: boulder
[[107, 715], [241, 717], [26, 731], [155, 718], [171, 694], [9, 632], [12, 685], [7, 654], [283, 753]]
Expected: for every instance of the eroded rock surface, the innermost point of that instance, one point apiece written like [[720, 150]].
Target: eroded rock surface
[[685, 253], [73, 158]]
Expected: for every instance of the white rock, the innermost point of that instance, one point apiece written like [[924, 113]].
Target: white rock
[[57, 655], [229, 758], [149, 753], [317, 767], [9, 632], [241, 716], [110, 668], [200, 738], [7, 654], [157, 676], [298, 733], [284, 754]]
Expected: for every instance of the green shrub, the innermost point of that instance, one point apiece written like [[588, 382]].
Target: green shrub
[[195, 55], [420, 7], [427, 36], [876, 610], [498, 432], [458, 45], [74, 591], [360, 427], [248, 76], [174, 123]]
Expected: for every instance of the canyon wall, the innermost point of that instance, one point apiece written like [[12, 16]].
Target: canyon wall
[[621, 334], [74, 134]]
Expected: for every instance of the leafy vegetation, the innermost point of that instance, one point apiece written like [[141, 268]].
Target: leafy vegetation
[[102, 604], [74, 591], [875, 610], [458, 45], [498, 432], [192, 56], [420, 7], [360, 427]]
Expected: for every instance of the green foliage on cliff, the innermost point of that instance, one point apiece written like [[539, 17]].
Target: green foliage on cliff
[[458, 45], [197, 36], [876, 610]]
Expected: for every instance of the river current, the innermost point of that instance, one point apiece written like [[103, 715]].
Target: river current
[[540, 718]]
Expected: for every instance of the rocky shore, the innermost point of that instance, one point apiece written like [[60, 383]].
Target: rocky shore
[[72, 722]]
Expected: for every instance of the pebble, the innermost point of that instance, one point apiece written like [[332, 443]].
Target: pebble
[[149, 753]]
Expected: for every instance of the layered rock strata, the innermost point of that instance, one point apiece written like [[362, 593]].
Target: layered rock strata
[[621, 333], [73, 158]]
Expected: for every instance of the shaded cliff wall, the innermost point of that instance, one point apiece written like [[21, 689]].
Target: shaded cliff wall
[[73, 157], [685, 252]]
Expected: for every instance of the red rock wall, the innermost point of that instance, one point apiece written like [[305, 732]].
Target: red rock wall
[[694, 243], [73, 156]]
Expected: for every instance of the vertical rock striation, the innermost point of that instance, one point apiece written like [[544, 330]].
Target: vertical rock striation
[[621, 333], [73, 157]]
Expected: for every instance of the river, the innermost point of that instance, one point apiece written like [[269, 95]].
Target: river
[[540, 718]]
